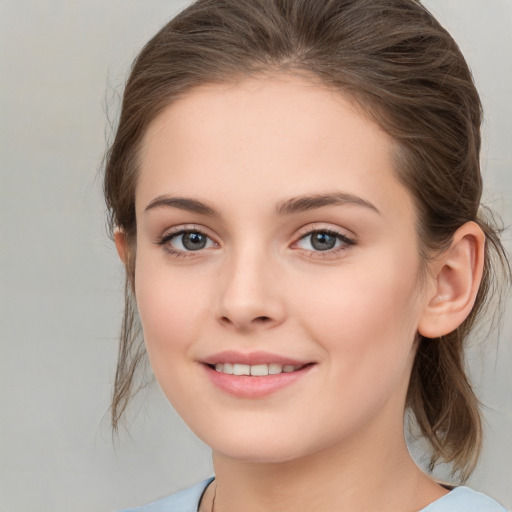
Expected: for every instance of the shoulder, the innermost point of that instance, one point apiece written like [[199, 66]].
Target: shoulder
[[183, 501], [464, 499]]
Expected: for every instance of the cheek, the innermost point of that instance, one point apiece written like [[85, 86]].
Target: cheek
[[169, 308], [365, 315]]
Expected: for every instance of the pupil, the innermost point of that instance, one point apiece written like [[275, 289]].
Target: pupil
[[194, 241], [323, 241]]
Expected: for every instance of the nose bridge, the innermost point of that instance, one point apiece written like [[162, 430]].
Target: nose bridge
[[249, 296]]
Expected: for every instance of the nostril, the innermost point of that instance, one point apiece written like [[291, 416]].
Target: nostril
[[243, 324], [261, 319], [258, 320]]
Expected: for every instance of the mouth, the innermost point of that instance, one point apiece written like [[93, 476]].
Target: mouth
[[254, 375], [256, 370]]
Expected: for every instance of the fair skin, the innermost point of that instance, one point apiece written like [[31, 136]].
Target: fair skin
[[233, 265]]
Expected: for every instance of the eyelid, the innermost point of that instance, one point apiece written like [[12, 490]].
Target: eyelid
[[181, 228], [347, 240], [175, 231], [327, 228]]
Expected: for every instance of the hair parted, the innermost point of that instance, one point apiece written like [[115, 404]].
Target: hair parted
[[408, 75]]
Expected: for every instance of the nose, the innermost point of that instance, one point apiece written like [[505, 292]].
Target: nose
[[250, 296]]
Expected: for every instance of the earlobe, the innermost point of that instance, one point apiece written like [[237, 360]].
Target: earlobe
[[121, 244], [458, 272]]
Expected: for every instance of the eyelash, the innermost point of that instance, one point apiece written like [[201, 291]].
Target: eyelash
[[165, 239], [345, 242]]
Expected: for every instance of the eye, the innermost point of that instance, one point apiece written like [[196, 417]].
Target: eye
[[184, 241], [323, 240]]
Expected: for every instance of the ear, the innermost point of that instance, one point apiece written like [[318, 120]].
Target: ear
[[457, 275], [121, 244]]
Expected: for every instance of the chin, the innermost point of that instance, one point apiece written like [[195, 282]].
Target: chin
[[261, 448], [258, 456]]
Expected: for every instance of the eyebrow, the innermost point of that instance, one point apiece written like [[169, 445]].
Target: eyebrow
[[313, 202], [286, 207], [183, 203]]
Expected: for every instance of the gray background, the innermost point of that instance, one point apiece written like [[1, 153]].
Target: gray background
[[62, 62]]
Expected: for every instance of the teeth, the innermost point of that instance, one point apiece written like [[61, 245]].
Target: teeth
[[259, 369], [256, 370], [274, 368], [241, 369]]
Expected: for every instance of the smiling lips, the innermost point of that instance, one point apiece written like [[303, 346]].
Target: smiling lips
[[256, 370], [254, 375]]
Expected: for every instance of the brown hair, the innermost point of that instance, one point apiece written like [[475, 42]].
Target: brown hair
[[407, 73]]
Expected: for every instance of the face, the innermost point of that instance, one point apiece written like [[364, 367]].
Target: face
[[273, 239]]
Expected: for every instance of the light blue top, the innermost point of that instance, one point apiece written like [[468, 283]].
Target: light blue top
[[460, 499], [183, 501]]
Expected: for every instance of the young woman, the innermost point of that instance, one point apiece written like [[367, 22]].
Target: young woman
[[294, 190]]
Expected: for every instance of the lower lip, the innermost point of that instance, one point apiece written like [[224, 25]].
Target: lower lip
[[245, 386]]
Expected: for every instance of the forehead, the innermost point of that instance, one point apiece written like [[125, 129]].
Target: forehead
[[268, 137], [257, 110]]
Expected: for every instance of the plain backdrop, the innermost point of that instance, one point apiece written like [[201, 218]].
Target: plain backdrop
[[62, 63]]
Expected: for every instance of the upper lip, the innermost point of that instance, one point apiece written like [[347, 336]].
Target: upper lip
[[251, 358]]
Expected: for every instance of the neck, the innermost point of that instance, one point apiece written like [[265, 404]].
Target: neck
[[358, 476]]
